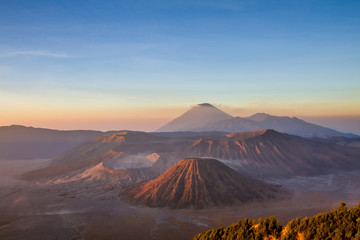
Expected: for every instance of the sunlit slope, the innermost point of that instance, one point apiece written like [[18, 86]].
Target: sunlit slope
[[199, 183], [340, 223]]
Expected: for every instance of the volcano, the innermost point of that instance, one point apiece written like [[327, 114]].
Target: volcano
[[195, 118], [199, 183], [268, 153], [264, 153], [207, 118]]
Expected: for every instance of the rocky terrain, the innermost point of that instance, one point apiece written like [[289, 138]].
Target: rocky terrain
[[200, 183], [144, 156]]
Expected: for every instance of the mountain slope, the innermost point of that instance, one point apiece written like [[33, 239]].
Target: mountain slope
[[261, 121], [236, 124], [295, 126], [205, 117], [343, 141], [199, 183], [264, 153], [98, 150], [268, 153], [194, 118], [19, 142]]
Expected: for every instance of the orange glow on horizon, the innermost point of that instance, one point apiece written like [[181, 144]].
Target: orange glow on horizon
[[151, 118]]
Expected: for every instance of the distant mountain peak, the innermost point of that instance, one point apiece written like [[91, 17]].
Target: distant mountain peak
[[202, 105], [205, 117], [259, 117], [196, 117]]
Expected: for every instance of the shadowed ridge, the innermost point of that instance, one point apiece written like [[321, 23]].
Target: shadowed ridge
[[259, 117], [91, 153], [294, 125], [235, 124], [247, 135], [199, 183], [20, 142], [123, 136]]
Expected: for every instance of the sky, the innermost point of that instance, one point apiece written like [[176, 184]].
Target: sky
[[136, 65]]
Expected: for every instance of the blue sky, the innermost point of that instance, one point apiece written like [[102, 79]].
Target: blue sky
[[297, 58]]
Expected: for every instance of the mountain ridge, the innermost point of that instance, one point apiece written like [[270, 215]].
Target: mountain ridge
[[210, 121], [21, 142], [263, 153]]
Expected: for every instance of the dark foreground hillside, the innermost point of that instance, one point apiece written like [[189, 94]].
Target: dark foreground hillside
[[340, 223]]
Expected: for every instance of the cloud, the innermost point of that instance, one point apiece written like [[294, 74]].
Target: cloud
[[38, 53]]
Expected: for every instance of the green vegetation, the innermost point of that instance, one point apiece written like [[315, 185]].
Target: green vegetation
[[340, 223]]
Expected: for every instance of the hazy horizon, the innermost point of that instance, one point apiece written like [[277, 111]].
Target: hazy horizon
[[346, 124]]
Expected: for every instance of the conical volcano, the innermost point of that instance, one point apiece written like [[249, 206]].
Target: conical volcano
[[195, 118], [199, 183]]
